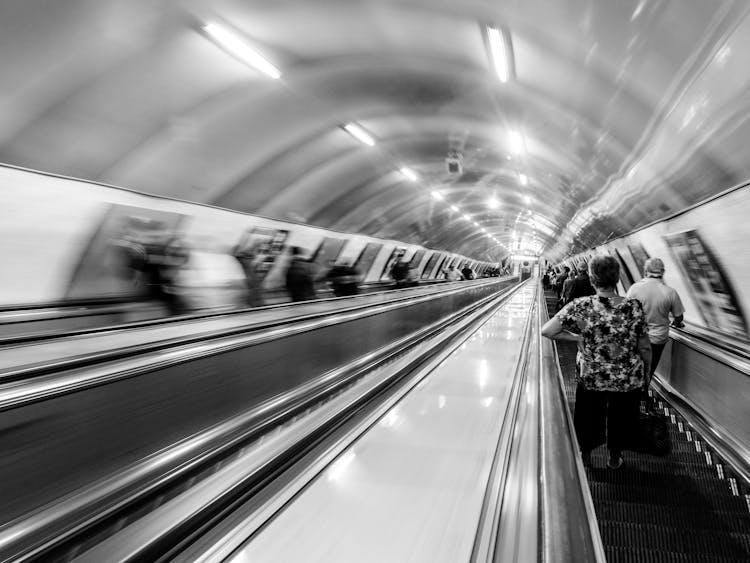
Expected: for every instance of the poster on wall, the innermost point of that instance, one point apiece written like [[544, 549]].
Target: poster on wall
[[434, 257], [266, 245], [365, 259], [395, 256], [712, 290], [626, 279], [639, 254], [106, 266]]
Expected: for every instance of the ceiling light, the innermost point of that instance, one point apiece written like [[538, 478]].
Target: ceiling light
[[484, 230], [240, 49], [410, 174], [476, 224], [454, 208], [360, 134], [527, 198], [467, 217], [499, 53], [517, 143], [493, 203], [524, 180], [437, 195]]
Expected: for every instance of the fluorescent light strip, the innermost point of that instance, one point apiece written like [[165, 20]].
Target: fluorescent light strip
[[437, 195], [527, 199], [410, 174], [240, 49], [454, 208], [517, 142], [524, 180], [498, 53], [493, 203], [467, 217], [360, 134]]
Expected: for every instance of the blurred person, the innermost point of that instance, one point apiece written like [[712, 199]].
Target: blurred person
[[174, 258], [567, 286], [560, 281], [545, 279], [581, 286], [451, 274], [467, 273], [246, 259], [612, 362], [300, 277], [344, 279], [400, 273], [659, 301]]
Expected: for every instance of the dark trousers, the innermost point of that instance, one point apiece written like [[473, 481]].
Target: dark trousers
[[656, 350], [605, 416]]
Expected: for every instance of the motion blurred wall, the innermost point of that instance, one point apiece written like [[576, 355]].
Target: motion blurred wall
[[57, 236], [707, 257]]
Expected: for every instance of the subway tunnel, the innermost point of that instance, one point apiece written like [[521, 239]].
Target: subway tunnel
[[276, 276]]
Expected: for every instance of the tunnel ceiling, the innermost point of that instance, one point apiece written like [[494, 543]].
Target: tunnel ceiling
[[627, 111]]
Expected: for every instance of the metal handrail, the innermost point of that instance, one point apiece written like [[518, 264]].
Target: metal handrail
[[207, 314], [493, 533], [142, 534], [403, 299], [570, 532], [706, 348]]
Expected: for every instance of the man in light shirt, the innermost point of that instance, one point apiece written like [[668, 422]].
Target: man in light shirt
[[659, 301]]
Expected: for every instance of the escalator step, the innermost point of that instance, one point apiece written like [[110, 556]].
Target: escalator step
[[645, 473], [635, 555], [677, 540], [682, 517], [670, 497]]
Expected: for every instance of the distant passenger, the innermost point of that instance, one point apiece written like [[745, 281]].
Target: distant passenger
[[567, 286], [467, 273], [613, 358], [246, 259], [344, 280], [659, 301], [451, 274], [560, 281], [400, 273], [299, 277], [581, 286]]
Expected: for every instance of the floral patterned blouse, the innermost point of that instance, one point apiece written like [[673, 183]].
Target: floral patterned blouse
[[608, 357]]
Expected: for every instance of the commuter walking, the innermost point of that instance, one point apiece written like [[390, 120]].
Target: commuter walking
[[659, 301], [299, 277], [613, 358]]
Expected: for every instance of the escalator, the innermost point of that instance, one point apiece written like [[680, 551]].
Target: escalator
[[689, 507]]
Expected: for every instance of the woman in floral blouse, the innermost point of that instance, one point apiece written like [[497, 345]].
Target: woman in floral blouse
[[613, 355]]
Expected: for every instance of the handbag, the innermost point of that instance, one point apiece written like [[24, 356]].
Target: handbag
[[651, 434]]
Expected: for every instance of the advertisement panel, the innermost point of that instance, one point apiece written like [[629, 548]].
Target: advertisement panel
[[711, 288]]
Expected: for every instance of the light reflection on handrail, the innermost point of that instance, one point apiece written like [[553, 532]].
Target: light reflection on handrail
[[570, 532]]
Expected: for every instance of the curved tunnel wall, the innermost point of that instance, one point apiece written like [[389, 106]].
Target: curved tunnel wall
[[52, 227]]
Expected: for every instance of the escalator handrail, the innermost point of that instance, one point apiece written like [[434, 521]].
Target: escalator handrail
[[33, 389], [727, 356], [402, 298], [82, 308], [570, 531]]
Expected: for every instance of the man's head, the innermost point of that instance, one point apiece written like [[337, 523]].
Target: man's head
[[654, 268]]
